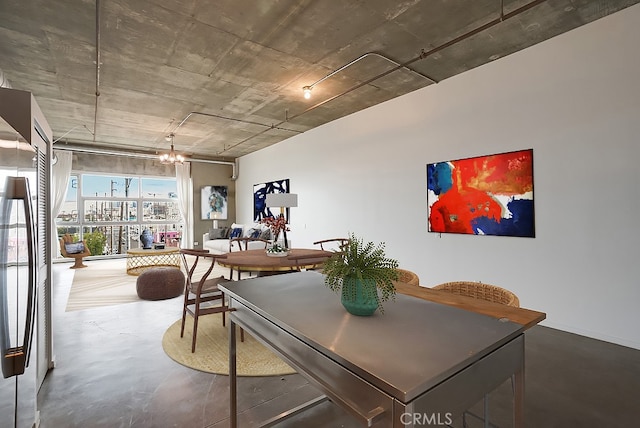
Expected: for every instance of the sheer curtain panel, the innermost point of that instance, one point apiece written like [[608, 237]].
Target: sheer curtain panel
[[185, 199], [61, 171]]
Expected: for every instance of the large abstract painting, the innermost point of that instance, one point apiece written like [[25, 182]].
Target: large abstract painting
[[485, 195], [213, 202], [260, 191]]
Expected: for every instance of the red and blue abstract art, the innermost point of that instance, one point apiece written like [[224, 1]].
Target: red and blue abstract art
[[485, 195]]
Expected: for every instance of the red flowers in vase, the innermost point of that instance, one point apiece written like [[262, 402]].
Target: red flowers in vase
[[276, 224]]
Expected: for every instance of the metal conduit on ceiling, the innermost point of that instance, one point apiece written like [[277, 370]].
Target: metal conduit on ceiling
[[234, 165], [423, 54], [97, 151]]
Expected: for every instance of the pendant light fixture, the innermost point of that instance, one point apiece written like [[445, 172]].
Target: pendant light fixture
[[171, 158]]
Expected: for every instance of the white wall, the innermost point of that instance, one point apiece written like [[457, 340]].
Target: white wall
[[574, 99]]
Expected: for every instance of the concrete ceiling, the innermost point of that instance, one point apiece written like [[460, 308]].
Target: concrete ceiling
[[226, 76]]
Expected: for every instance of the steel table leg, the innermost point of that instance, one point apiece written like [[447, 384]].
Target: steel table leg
[[233, 405], [518, 397]]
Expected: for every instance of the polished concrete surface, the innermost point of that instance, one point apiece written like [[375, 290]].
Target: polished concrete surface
[[111, 371]]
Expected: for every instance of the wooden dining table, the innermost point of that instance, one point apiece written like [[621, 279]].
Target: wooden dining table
[[258, 260]]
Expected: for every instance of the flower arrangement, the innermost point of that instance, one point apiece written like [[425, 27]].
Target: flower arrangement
[[276, 249], [276, 224]]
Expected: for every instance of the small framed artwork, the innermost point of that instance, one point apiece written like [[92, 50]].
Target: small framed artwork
[[484, 195], [214, 202]]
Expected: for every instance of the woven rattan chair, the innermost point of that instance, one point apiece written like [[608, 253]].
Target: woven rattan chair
[[83, 251], [478, 290], [491, 293], [408, 277]]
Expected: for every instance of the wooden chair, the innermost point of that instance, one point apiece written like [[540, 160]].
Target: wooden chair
[[308, 261], [243, 244], [68, 239], [332, 244], [200, 290], [488, 292], [408, 277], [478, 290]]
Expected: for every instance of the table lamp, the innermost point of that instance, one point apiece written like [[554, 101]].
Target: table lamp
[[215, 220]]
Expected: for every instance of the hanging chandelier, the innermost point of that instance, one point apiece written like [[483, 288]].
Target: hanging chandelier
[[171, 158]]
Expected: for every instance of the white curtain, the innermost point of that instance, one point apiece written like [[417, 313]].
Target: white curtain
[[61, 171], [185, 202]]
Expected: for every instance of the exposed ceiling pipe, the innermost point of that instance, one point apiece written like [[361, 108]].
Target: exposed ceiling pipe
[[361, 57], [96, 151], [95, 111], [423, 54], [71, 130], [234, 164], [217, 116]]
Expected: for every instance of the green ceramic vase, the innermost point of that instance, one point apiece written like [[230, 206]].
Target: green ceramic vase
[[358, 301]]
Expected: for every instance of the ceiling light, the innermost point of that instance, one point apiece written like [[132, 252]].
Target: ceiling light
[[307, 92], [171, 157]]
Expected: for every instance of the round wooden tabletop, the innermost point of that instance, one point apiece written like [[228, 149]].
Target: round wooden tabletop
[[259, 261]]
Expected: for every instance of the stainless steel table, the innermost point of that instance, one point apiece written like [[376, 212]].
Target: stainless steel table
[[419, 361]]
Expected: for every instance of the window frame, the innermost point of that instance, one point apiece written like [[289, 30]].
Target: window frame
[[161, 228]]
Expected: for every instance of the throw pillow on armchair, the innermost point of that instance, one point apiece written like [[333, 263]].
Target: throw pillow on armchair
[[75, 248], [236, 230], [219, 233]]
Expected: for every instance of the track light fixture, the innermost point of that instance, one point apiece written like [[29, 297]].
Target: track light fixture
[[171, 158]]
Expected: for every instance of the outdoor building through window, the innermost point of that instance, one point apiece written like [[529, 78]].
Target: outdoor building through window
[[110, 212]]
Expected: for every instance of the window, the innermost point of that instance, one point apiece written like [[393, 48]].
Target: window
[[110, 212]]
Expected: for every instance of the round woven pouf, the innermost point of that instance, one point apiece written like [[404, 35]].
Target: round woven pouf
[[160, 283]]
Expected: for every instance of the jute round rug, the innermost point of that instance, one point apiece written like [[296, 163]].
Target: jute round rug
[[212, 350]]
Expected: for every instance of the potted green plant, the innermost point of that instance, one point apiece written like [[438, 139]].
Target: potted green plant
[[363, 275], [95, 241]]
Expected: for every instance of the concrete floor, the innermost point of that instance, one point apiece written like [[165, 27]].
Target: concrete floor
[[111, 371]]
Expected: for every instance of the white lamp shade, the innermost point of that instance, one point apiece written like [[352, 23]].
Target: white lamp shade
[[283, 200]]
